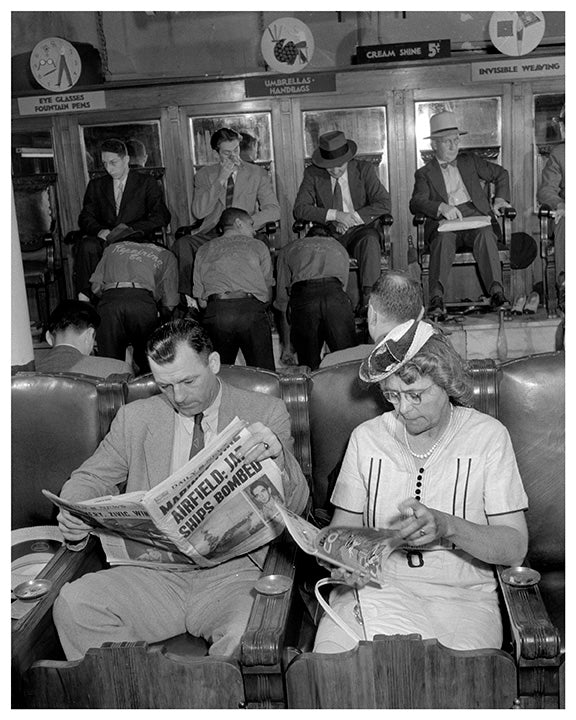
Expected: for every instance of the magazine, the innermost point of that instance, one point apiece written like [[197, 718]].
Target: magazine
[[466, 223], [351, 548], [214, 508]]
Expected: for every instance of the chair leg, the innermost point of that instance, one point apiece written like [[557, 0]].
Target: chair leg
[[506, 279]]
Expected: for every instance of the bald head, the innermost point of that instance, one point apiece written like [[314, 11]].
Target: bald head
[[395, 298]]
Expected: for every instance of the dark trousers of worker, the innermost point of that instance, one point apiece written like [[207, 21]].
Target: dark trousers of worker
[[128, 317], [88, 251], [481, 241], [320, 312], [240, 324], [363, 244]]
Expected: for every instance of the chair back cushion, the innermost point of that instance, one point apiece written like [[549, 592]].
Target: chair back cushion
[[339, 401], [531, 405], [57, 422]]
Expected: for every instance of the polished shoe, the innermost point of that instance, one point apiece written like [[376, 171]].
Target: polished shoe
[[436, 309], [518, 306], [531, 304], [498, 299]]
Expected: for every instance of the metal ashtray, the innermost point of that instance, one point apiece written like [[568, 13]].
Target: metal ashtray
[[273, 584], [32, 590], [520, 576]]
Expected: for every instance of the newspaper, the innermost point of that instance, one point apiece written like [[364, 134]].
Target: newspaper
[[214, 508], [466, 223], [351, 548]]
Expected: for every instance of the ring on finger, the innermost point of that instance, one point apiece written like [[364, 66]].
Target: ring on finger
[[422, 533], [266, 446]]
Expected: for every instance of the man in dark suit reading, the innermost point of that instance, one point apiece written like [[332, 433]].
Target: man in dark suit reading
[[124, 202], [345, 194], [449, 187]]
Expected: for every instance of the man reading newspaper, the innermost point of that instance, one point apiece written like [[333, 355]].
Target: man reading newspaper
[[148, 440]]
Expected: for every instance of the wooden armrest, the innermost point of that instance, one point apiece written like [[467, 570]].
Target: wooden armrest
[[262, 643], [34, 635], [418, 221], [534, 635], [271, 227], [545, 211], [298, 226], [508, 212], [187, 229]]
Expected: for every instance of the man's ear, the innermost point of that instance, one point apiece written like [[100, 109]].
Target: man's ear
[[214, 362], [49, 338]]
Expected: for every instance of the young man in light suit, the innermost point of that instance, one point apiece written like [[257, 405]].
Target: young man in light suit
[[123, 202], [230, 182], [448, 187], [346, 195], [148, 440]]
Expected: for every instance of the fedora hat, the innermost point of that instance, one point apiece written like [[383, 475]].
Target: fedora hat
[[333, 149], [442, 124]]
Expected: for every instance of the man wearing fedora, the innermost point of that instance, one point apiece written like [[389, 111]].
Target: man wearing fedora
[[449, 187], [346, 195]]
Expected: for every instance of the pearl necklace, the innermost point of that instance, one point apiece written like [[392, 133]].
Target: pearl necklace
[[423, 456]]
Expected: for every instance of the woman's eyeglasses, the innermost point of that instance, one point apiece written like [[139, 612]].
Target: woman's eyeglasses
[[413, 396]]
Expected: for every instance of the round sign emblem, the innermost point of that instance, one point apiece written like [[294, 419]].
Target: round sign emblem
[[516, 33], [287, 45]]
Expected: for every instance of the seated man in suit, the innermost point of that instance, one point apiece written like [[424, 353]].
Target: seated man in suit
[[148, 440], [231, 182], [395, 298], [71, 331], [347, 195], [552, 192], [136, 152], [123, 202], [449, 187]]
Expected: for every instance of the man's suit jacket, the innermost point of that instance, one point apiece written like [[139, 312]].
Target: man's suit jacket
[[430, 188], [314, 197], [142, 206], [253, 192], [137, 451], [553, 184], [65, 358]]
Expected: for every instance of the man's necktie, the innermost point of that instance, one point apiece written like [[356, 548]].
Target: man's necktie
[[197, 437], [445, 165], [118, 196], [337, 197], [230, 191]]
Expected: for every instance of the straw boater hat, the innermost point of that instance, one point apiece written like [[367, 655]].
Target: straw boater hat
[[442, 124], [333, 149], [395, 350]]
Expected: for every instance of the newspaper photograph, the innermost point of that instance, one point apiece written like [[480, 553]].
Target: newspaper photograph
[[214, 508]]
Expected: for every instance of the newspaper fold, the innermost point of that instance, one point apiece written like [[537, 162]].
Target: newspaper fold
[[214, 508]]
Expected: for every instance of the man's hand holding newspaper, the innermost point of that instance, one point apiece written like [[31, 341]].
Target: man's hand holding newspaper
[[214, 508]]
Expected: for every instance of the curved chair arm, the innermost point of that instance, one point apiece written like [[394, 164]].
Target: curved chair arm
[[533, 634], [262, 644], [546, 216], [384, 223], [187, 229], [418, 222]]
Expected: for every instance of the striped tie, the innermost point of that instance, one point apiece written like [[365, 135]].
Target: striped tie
[[337, 197], [230, 191], [118, 196], [197, 437]]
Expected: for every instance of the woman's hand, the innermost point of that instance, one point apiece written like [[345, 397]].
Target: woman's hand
[[356, 579], [422, 525]]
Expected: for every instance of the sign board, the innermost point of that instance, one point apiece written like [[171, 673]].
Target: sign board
[[522, 68], [62, 103], [283, 85], [426, 50]]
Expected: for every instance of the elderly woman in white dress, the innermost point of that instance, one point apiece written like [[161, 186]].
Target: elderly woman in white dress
[[446, 477]]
